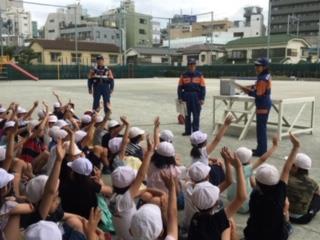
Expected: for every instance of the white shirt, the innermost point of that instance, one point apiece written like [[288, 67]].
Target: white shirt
[[123, 209], [204, 158], [189, 208]]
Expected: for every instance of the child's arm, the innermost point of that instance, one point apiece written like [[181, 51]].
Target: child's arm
[[266, 155], [156, 131], [57, 97], [241, 195], [125, 138], [90, 226], [292, 157], [52, 182], [29, 113], [227, 182], [22, 209], [222, 131], [172, 214], [134, 188], [6, 164]]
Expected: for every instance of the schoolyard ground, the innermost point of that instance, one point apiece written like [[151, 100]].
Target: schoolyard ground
[[143, 99]]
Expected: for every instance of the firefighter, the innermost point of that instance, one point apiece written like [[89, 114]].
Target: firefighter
[[192, 91], [261, 91], [100, 83]]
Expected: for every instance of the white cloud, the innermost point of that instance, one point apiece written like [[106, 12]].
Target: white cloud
[[160, 8]]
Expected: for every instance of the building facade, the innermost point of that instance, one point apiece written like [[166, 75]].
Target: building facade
[[35, 31], [93, 34], [283, 49], [298, 17], [54, 52], [156, 34], [17, 26]]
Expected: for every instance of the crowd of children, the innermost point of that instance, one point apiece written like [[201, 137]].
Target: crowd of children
[[54, 184]]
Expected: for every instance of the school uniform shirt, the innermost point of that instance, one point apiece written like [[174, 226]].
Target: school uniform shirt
[[189, 208], [122, 207], [154, 179], [31, 149], [5, 210], [134, 150], [266, 219], [98, 135], [79, 197], [247, 170], [301, 189], [204, 157], [207, 226]]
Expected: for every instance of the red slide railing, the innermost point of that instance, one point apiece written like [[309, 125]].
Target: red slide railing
[[24, 72]]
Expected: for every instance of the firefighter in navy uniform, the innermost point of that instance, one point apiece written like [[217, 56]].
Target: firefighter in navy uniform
[[101, 83], [261, 91], [192, 91]]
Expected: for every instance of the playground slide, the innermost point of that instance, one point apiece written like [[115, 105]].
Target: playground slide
[[24, 72]]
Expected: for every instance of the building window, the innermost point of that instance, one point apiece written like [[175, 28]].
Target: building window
[[51, 20], [55, 56], [74, 58], [113, 59], [164, 60], [142, 31], [292, 52], [94, 57], [142, 21], [203, 58], [97, 34], [51, 31], [105, 36]]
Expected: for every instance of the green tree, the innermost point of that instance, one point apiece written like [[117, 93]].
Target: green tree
[[25, 56]]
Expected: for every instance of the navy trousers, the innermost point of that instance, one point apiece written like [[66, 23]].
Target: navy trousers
[[101, 90], [262, 138], [194, 109]]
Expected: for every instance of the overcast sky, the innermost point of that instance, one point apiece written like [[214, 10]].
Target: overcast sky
[[231, 9]]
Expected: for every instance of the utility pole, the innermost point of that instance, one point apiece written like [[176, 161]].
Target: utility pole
[[76, 38], [1, 40], [269, 30], [318, 48]]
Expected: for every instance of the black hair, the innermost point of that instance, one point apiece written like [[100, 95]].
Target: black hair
[[161, 161], [267, 189], [136, 139], [195, 151], [120, 190], [303, 171]]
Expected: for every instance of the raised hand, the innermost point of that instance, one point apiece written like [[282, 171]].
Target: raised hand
[[228, 120], [294, 140]]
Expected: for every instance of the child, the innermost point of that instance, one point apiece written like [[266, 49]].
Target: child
[[126, 184], [10, 210], [136, 136], [303, 191], [268, 201], [147, 222], [198, 173], [212, 222], [245, 155]]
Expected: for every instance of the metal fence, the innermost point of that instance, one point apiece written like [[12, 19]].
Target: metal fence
[[147, 71]]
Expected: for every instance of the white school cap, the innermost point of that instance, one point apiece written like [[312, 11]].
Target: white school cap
[[146, 223], [244, 154], [81, 166], [267, 174], [166, 149], [205, 195], [167, 135], [43, 230], [123, 176], [198, 137], [198, 171], [5, 178], [303, 161]]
